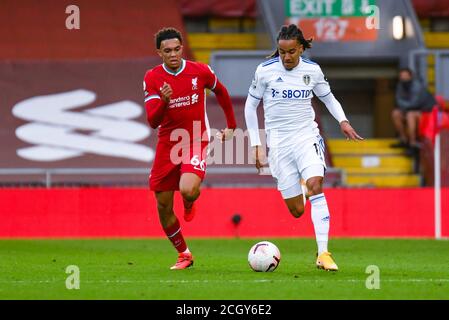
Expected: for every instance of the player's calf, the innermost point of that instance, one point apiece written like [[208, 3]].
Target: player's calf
[[296, 209], [189, 210]]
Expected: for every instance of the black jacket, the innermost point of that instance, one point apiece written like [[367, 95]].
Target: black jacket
[[416, 97]]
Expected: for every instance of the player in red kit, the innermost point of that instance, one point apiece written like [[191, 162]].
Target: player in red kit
[[175, 101]]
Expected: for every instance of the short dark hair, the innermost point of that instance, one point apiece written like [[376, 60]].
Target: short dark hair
[[292, 32], [165, 34]]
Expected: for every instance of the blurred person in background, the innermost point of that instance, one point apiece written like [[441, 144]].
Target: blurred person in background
[[412, 98]]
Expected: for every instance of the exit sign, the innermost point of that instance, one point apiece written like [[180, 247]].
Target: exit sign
[[328, 8], [334, 20]]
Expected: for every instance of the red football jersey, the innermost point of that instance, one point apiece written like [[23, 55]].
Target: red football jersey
[[187, 107]]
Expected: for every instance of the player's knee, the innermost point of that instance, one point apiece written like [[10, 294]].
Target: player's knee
[[190, 193], [164, 207], [314, 187], [296, 210]]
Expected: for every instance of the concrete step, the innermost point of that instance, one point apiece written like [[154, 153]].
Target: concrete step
[[230, 41], [437, 40], [378, 170], [372, 162], [366, 150], [202, 55], [367, 143], [367, 180], [231, 24]]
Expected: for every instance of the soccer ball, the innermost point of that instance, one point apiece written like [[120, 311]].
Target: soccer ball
[[264, 256]]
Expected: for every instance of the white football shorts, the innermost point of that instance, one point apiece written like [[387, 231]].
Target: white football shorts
[[302, 159]]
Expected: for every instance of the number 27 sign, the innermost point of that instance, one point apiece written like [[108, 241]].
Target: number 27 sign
[[338, 29]]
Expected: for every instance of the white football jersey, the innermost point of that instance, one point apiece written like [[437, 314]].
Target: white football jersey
[[286, 96]]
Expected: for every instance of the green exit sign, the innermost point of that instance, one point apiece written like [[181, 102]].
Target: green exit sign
[[328, 8]]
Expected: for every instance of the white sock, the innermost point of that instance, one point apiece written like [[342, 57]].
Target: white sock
[[187, 251], [320, 219]]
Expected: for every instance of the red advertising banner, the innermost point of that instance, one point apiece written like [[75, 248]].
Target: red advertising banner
[[131, 213]]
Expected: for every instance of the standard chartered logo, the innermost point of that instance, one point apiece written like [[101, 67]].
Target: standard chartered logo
[[58, 132], [183, 101]]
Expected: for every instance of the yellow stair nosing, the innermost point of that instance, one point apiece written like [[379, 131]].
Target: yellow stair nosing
[[371, 143], [383, 163], [382, 175], [436, 39], [382, 181], [367, 151], [234, 23], [378, 170], [222, 40]]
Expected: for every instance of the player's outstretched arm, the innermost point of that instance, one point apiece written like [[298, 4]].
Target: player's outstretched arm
[[225, 102], [349, 131], [260, 157], [337, 112], [252, 124]]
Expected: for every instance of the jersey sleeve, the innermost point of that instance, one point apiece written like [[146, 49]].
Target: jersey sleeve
[[149, 89], [210, 78], [322, 87], [258, 86]]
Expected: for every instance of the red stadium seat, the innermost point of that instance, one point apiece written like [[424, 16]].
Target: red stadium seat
[[428, 123]]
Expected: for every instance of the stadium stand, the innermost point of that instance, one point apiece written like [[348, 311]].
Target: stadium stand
[[434, 20], [103, 61], [433, 17], [374, 163], [219, 25], [36, 30]]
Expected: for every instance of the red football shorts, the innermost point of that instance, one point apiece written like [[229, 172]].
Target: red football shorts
[[172, 161]]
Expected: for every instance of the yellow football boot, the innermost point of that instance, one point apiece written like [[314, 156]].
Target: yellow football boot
[[325, 261]]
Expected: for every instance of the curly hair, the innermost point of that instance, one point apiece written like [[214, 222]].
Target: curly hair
[[292, 32], [165, 34]]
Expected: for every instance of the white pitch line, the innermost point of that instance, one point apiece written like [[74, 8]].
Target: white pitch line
[[222, 280]]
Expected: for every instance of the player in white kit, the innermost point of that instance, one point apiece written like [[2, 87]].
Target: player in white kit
[[286, 83]]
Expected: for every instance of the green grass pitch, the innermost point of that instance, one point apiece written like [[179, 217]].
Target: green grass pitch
[[139, 269]]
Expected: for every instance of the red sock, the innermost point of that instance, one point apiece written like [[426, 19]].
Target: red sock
[[174, 234]]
